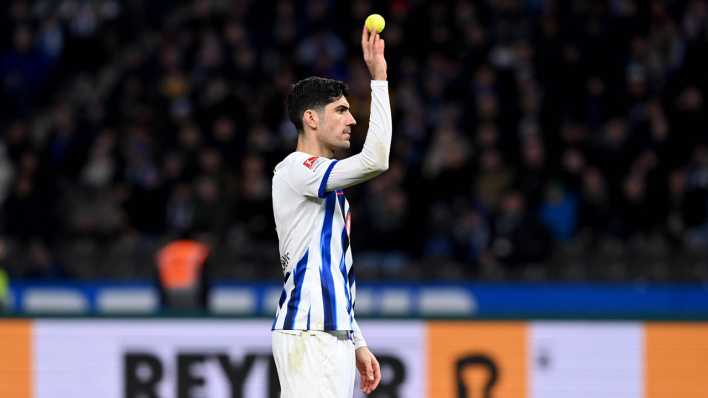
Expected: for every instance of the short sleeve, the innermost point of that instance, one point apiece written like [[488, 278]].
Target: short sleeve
[[308, 175]]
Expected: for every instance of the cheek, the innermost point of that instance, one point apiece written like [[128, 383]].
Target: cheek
[[334, 126]]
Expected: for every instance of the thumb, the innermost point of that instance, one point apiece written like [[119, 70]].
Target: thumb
[[369, 371]]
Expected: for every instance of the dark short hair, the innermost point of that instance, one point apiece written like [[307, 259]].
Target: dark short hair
[[313, 93]]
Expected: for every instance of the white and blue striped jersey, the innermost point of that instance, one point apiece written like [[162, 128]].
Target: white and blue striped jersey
[[313, 219]]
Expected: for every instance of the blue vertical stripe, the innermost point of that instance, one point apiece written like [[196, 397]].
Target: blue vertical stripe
[[282, 294], [282, 298], [341, 198], [294, 302], [351, 287], [343, 270], [350, 274], [352, 277], [329, 299], [323, 184], [345, 246]]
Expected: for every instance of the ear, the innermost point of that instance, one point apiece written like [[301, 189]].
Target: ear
[[310, 119]]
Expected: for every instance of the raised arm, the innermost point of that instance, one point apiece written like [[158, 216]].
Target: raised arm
[[374, 156]]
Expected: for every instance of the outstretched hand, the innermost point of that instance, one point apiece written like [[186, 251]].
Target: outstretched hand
[[369, 370], [373, 46]]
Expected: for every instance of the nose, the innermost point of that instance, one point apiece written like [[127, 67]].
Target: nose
[[352, 121]]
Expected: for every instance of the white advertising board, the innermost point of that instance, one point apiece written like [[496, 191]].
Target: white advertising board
[[183, 358], [585, 360]]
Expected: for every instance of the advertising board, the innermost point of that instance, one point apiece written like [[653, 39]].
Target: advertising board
[[181, 358], [193, 358]]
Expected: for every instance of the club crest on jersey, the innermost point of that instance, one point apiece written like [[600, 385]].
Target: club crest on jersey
[[310, 162]]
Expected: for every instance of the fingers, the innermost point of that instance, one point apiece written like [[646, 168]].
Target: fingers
[[364, 39], [377, 373], [366, 374], [370, 42], [377, 46], [370, 375], [365, 383], [372, 46], [366, 386]]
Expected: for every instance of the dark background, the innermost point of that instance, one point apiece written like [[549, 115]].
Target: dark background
[[533, 140]]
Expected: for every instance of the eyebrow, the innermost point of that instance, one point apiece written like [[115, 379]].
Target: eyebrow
[[341, 108]]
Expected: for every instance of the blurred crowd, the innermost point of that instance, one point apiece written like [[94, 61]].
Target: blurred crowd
[[533, 139]]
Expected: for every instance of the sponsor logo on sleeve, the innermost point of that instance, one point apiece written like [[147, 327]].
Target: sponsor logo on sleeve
[[310, 162]]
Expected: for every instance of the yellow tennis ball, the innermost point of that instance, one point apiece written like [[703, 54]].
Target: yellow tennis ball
[[375, 22]]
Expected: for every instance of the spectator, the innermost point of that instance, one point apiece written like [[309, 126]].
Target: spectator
[[182, 274], [559, 212], [124, 124], [519, 238]]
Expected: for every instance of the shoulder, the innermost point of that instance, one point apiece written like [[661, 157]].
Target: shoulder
[[302, 163], [304, 173], [293, 159]]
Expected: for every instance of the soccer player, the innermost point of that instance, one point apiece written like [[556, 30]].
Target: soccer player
[[316, 340]]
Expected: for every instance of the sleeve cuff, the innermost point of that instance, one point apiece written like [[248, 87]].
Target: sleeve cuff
[[359, 342]]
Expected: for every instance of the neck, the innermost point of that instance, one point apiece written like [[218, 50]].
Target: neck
[[307, 142]]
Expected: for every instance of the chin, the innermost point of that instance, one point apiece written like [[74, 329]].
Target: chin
[[341, 150]]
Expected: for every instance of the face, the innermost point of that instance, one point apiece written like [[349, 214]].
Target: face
[[335, 125]]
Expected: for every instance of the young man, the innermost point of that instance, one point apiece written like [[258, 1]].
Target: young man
[[316, 339]]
